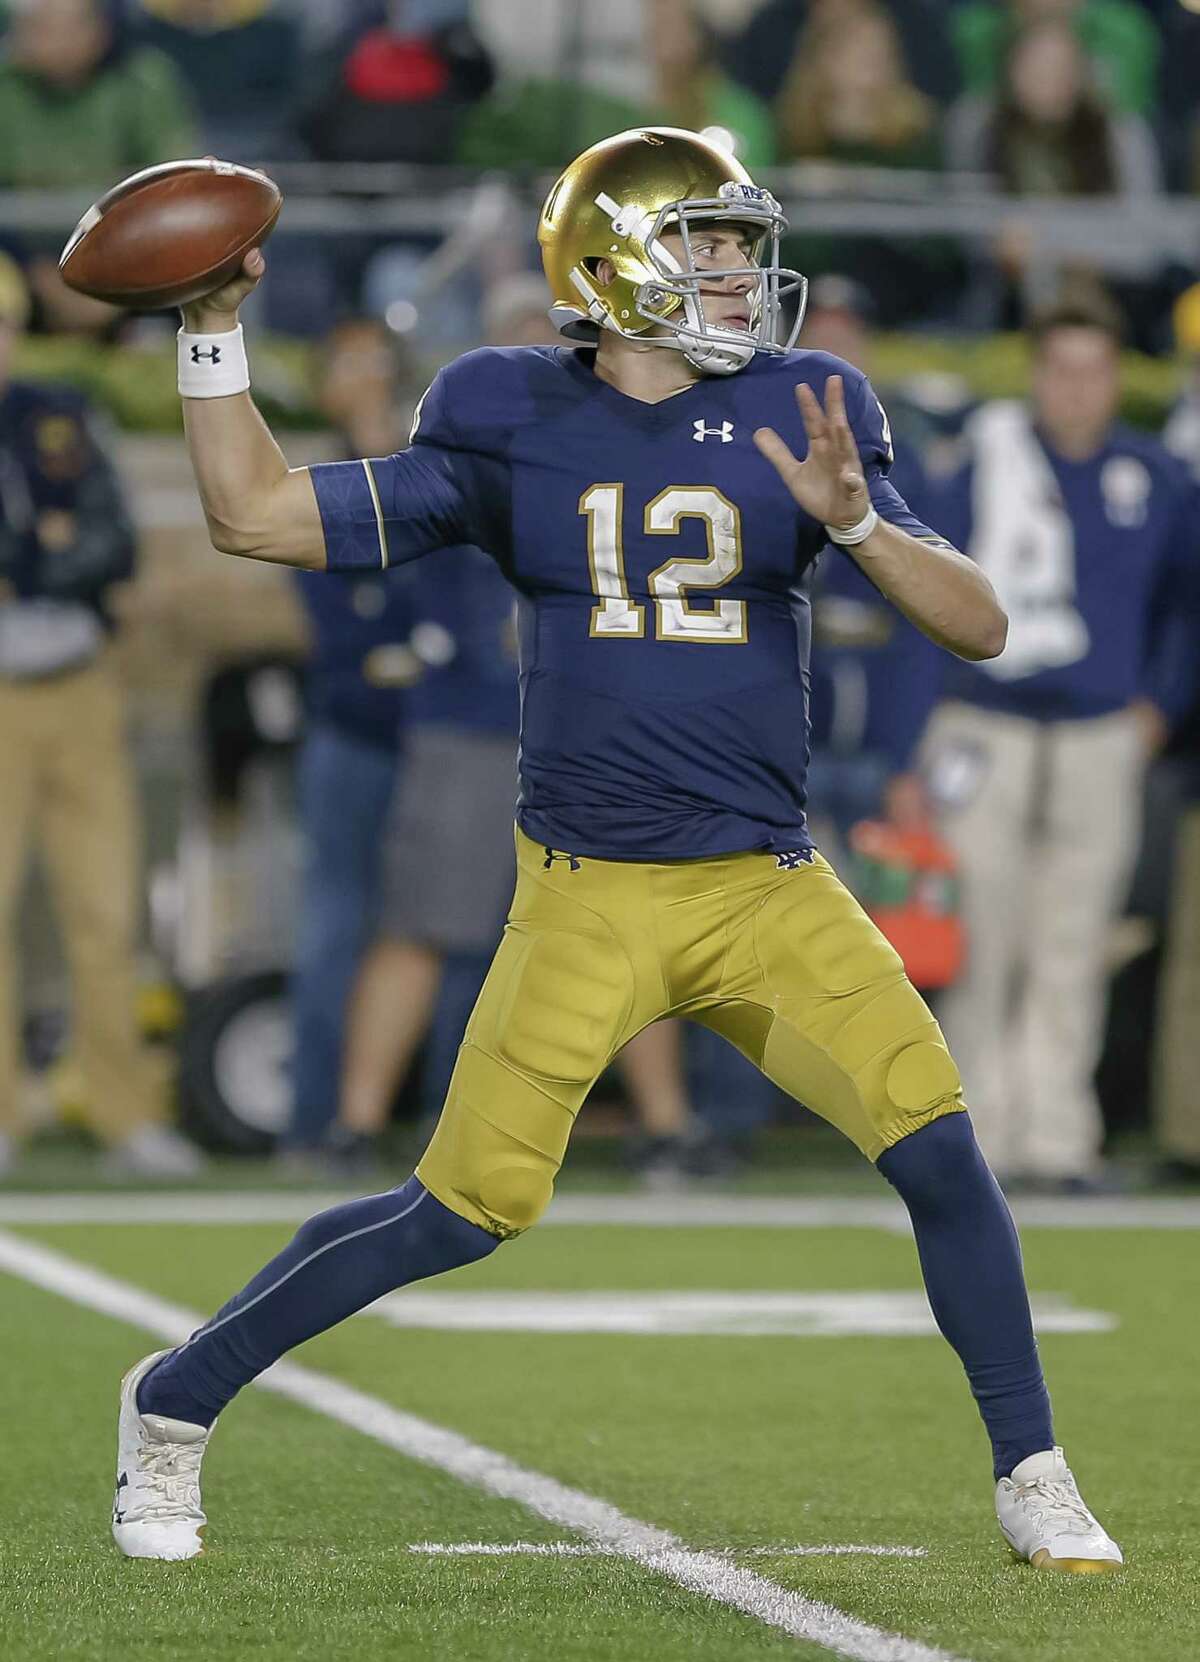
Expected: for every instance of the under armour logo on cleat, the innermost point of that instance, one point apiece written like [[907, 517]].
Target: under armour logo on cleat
[[795, 858], [551, 856], [122, 1483], [212, 353], [724, 432]]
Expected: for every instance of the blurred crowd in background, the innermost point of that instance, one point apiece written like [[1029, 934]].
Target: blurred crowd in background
[[246, 936], [1018, 100]]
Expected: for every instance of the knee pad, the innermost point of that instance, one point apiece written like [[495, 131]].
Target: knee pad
[[515, 1194], [920, 1076], [502, 1186]]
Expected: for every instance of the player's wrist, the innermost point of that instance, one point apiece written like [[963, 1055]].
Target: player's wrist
[[212, 363], [207, 320], [849, 536]]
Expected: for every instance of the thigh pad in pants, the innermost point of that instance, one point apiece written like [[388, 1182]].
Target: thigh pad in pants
[[832, 1018], [554, 1009]]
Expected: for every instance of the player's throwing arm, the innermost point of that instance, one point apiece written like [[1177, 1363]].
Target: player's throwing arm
[[188, 234], [940, 590], [254, 503]]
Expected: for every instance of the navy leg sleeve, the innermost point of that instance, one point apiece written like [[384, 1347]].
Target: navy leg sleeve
[[971, 1260], [336, 1263]]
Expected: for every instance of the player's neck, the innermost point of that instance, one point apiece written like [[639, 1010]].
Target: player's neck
[[647, 373]]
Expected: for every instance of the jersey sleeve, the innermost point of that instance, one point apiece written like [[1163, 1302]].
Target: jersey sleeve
[[383, 511], [869, 422]]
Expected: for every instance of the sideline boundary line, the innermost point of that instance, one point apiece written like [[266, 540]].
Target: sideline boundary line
[[707, 1573]]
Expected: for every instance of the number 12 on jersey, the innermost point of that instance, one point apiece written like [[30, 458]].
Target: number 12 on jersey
[[615, 615]]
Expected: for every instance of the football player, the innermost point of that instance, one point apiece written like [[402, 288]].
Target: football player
[[636, 484]]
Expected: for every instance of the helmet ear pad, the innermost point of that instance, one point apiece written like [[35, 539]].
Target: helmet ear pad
[[627, 265]]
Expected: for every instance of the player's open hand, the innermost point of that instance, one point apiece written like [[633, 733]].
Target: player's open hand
[[829, 483]]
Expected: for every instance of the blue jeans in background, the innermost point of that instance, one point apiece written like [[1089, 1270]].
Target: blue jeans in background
[[345, 788], [731, 1098]]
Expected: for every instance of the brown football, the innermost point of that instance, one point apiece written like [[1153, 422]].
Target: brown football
[[169, 234]]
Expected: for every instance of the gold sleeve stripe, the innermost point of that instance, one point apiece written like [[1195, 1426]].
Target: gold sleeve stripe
[[371, 486]]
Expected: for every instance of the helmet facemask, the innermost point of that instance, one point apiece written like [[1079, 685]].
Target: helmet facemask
[[672, 297]]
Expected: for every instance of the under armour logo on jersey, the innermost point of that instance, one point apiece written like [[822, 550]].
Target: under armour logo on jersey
[[794, 858], [212, 353], [724, 432], [551, 856]]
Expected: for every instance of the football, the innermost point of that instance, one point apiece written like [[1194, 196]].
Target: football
[[169, 234]]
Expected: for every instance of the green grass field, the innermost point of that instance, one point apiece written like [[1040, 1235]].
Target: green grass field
[[735, 1442]]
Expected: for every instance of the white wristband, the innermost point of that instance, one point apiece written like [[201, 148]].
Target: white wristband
[[857, 533], [213, 366]]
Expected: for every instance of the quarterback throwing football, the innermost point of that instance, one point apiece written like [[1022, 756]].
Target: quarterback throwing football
[[657, 496]]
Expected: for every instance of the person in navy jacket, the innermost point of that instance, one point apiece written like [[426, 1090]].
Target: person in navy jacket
[[66, 778], [359, 666], [1089, 533]]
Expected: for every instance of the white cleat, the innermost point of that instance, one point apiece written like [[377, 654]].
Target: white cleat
[[157, 1511], [1045, 1520]]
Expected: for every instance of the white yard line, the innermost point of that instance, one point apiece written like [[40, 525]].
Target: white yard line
[[688, 1211], [571, 1549], [744, 1313], [707, 1573]]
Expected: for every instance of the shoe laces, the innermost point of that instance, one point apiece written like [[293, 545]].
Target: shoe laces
[[169, 1480], [1048, 1497]]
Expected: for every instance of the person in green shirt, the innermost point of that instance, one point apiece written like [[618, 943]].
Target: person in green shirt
[[691, 89], [848, 96], [540, 123], [79, 108], [1118, 36]]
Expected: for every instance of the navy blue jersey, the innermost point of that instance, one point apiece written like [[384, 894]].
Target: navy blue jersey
[[1097, 563], [664, 653], [465, 637]]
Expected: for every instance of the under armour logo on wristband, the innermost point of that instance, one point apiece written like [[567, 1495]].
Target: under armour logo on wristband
[[213, 354]]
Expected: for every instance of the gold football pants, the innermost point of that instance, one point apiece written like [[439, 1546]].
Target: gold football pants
[[782, 962]]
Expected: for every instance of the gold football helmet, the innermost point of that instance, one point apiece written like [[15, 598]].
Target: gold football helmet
[[614, 202]]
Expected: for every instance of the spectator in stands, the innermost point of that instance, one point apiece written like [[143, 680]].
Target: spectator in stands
[[761, 55], [401, 91], [82, 105], [358, 667], [692, 91], [240, 59], [1090, 533], [65, 773], [541, 122], [1046, 131], [847, 95], [587, 46], [1119, 40], [847, 98]]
